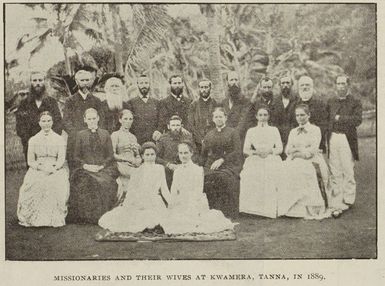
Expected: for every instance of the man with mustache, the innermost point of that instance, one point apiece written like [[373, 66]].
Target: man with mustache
[[262, 97], [345, 115], [146, 112], [318, 112], [28, 113], [235, 104], [200, 113], [75, 107], [174, 104], [168, 146]]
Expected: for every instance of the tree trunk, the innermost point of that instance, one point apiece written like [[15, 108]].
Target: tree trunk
[[214, 52], [117, 39], [67, 62]]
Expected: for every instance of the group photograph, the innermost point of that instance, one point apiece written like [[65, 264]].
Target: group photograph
[[199, 131]]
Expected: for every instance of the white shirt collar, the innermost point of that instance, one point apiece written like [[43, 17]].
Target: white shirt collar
[[219, 129], [83, 95], [305, 126], [176, 97], [206, 99]]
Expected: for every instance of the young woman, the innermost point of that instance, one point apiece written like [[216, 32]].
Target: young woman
[[222, 161], [93, 182], [305, 171], [262, 168], [145, 204], [126, 151], [188, 210], [44, 193]]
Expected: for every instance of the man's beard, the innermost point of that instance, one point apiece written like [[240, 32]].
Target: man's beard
[[235, 92], [144, 91], [114, 101], [204, 95], [38, 91], [285, 91], [177, 90], [175, 133], [267, 95], [306, 95]]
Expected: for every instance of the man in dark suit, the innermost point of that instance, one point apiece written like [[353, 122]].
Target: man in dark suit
[[200, 117], [75, 107], [345, 115], [318, 111], [235, 104], [262, 97], [146, 113], [28, 113], [174, 104]]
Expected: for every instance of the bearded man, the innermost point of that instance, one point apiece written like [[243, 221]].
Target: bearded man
[[263, 96], [318, 111], [235, 104], [75, 107], [168, 146], [113, 103], [146, 112], [174, 104], [200, 117], [28, 113]]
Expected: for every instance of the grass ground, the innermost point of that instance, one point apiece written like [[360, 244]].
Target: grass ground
[[353, 235]]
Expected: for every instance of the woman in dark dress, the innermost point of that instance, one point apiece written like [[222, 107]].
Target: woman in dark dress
[[222, 161], [93, 182]]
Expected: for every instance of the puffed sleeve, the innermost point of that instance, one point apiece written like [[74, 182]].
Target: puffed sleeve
[[31, 158], [61, 153], [248, 146], [315, 139]]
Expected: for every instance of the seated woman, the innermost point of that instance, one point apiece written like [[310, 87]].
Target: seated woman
[[304, 195], [145, 204], [126, 151], [114, 102], [222, 161], [93, 182], [44, 193], [262, 168], [188, 208]]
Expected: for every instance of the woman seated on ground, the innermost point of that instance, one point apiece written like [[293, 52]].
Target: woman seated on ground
[[222, 161], [262, 168], [44, 193], [188, 209], [147, 195], [93, 182], [126, 151], [114, 103], [304, 194]]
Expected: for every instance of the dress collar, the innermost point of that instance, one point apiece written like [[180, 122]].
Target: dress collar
[[219, 129]]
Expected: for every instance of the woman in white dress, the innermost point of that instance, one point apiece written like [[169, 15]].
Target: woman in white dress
[[188, 210], [262, 168], [304, 195], [45, 190], [126, 151], [145, 204]]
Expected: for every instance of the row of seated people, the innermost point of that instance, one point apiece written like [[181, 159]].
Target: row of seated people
[[109, 173]]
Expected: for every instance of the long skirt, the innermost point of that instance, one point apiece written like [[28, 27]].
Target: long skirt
[[43, 198], [92, 195], [259, 186], [301, 195], [222, 190]]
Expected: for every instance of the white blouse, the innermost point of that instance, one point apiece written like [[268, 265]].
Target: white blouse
[[263, 137]]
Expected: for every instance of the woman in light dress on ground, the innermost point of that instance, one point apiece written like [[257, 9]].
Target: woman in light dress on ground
[[147, 195], [305, 191], [188, 210], [45, 190], [126, 151], [261, 172]]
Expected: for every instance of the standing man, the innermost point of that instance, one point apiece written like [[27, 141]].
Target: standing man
[[286, 103], [28, 113], [168, 146], [318, 111], [174, 104], [146, 113], [235, 104], [75, 107], [262, 97], [345, 115], [201, 113]]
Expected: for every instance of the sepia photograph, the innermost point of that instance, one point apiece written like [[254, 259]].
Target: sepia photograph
[[190, 131]]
